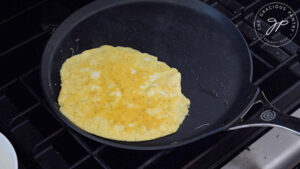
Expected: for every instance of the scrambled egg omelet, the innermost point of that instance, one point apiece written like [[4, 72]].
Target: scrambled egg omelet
[[122, 94]]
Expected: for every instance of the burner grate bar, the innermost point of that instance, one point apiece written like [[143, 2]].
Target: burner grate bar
[[99, 150], [22, 116], [29, 89], [291, 48], [26, 135], [101, 162], [80, 141], [153, 159], [48, 141], [56, 161], [6, 85], [22, 12], [278, 68], [30, 72], [267, 64], [236, 18], [32, 47], [250, 6], [275, 53], [295, 68], [36, 36], [290, 97], [222, 9], [79, 163], [247, 31], [9, 108], [232, 5]]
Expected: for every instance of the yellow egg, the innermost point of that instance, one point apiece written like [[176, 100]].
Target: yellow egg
[[122, 94]]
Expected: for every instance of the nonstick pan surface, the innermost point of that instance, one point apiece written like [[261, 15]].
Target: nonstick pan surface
[[200, 42]]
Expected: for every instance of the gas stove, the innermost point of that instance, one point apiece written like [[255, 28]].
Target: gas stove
[[43, 142]]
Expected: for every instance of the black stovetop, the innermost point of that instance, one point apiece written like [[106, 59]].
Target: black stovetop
[[41, 141]]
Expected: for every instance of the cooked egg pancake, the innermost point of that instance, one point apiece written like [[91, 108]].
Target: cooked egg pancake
[[122, 94]]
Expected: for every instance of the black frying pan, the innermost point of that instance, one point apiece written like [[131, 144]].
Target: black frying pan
[[200, 42]]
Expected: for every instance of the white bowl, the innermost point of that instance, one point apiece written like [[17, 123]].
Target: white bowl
[[8, 157]]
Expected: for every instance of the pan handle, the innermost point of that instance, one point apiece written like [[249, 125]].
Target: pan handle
[[268, 116]]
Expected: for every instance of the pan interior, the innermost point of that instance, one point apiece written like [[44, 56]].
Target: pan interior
[[194, 38]]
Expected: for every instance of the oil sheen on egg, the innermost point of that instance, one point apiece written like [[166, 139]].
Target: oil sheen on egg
[[122, 94]]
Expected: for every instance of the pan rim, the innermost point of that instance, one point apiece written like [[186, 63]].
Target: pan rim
[[90, 9]]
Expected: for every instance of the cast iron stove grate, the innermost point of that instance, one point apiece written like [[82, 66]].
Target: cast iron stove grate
[[41, 141]]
